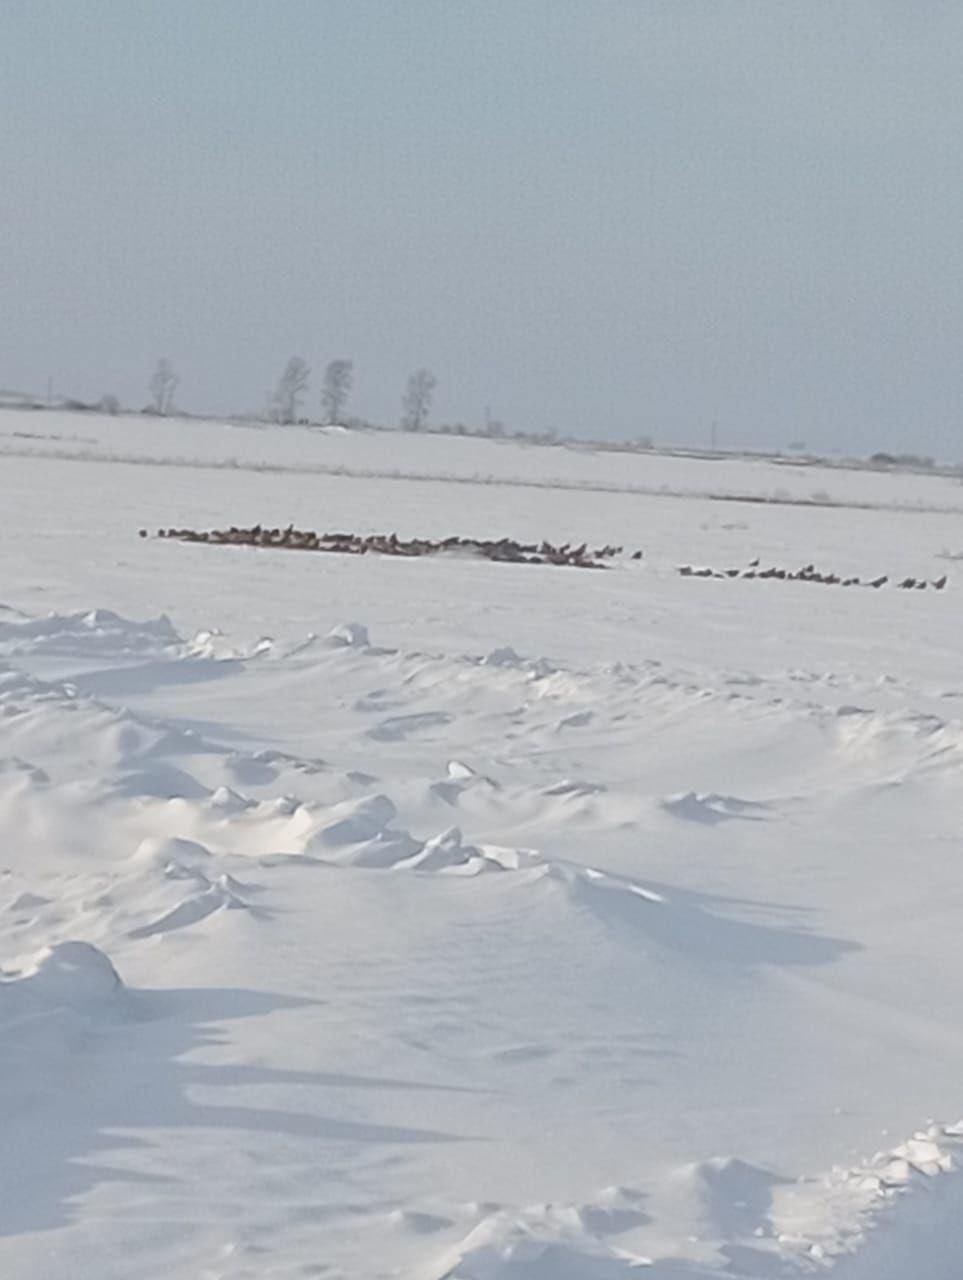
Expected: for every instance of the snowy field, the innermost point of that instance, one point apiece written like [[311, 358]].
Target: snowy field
[[449, 920]]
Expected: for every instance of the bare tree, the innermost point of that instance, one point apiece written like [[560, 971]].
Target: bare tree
[[286, 400], [163, 385], [417, 399], [338, 377]]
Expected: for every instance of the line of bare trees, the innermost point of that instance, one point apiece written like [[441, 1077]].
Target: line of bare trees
[[286, 400], [337, 381]]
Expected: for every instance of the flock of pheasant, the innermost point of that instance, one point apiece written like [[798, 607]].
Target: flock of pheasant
[[809, 573], [501, 549], [510, 551]]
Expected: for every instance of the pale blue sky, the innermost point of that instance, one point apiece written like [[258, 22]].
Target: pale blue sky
[[608, 217]]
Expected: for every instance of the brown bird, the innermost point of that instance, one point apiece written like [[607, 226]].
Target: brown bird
[[940, 583]]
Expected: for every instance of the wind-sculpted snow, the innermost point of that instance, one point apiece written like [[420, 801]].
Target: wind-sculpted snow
[[354, 934], [68, 975], [94, 633]]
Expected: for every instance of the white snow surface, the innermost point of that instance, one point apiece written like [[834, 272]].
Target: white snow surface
[[448, 920]]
